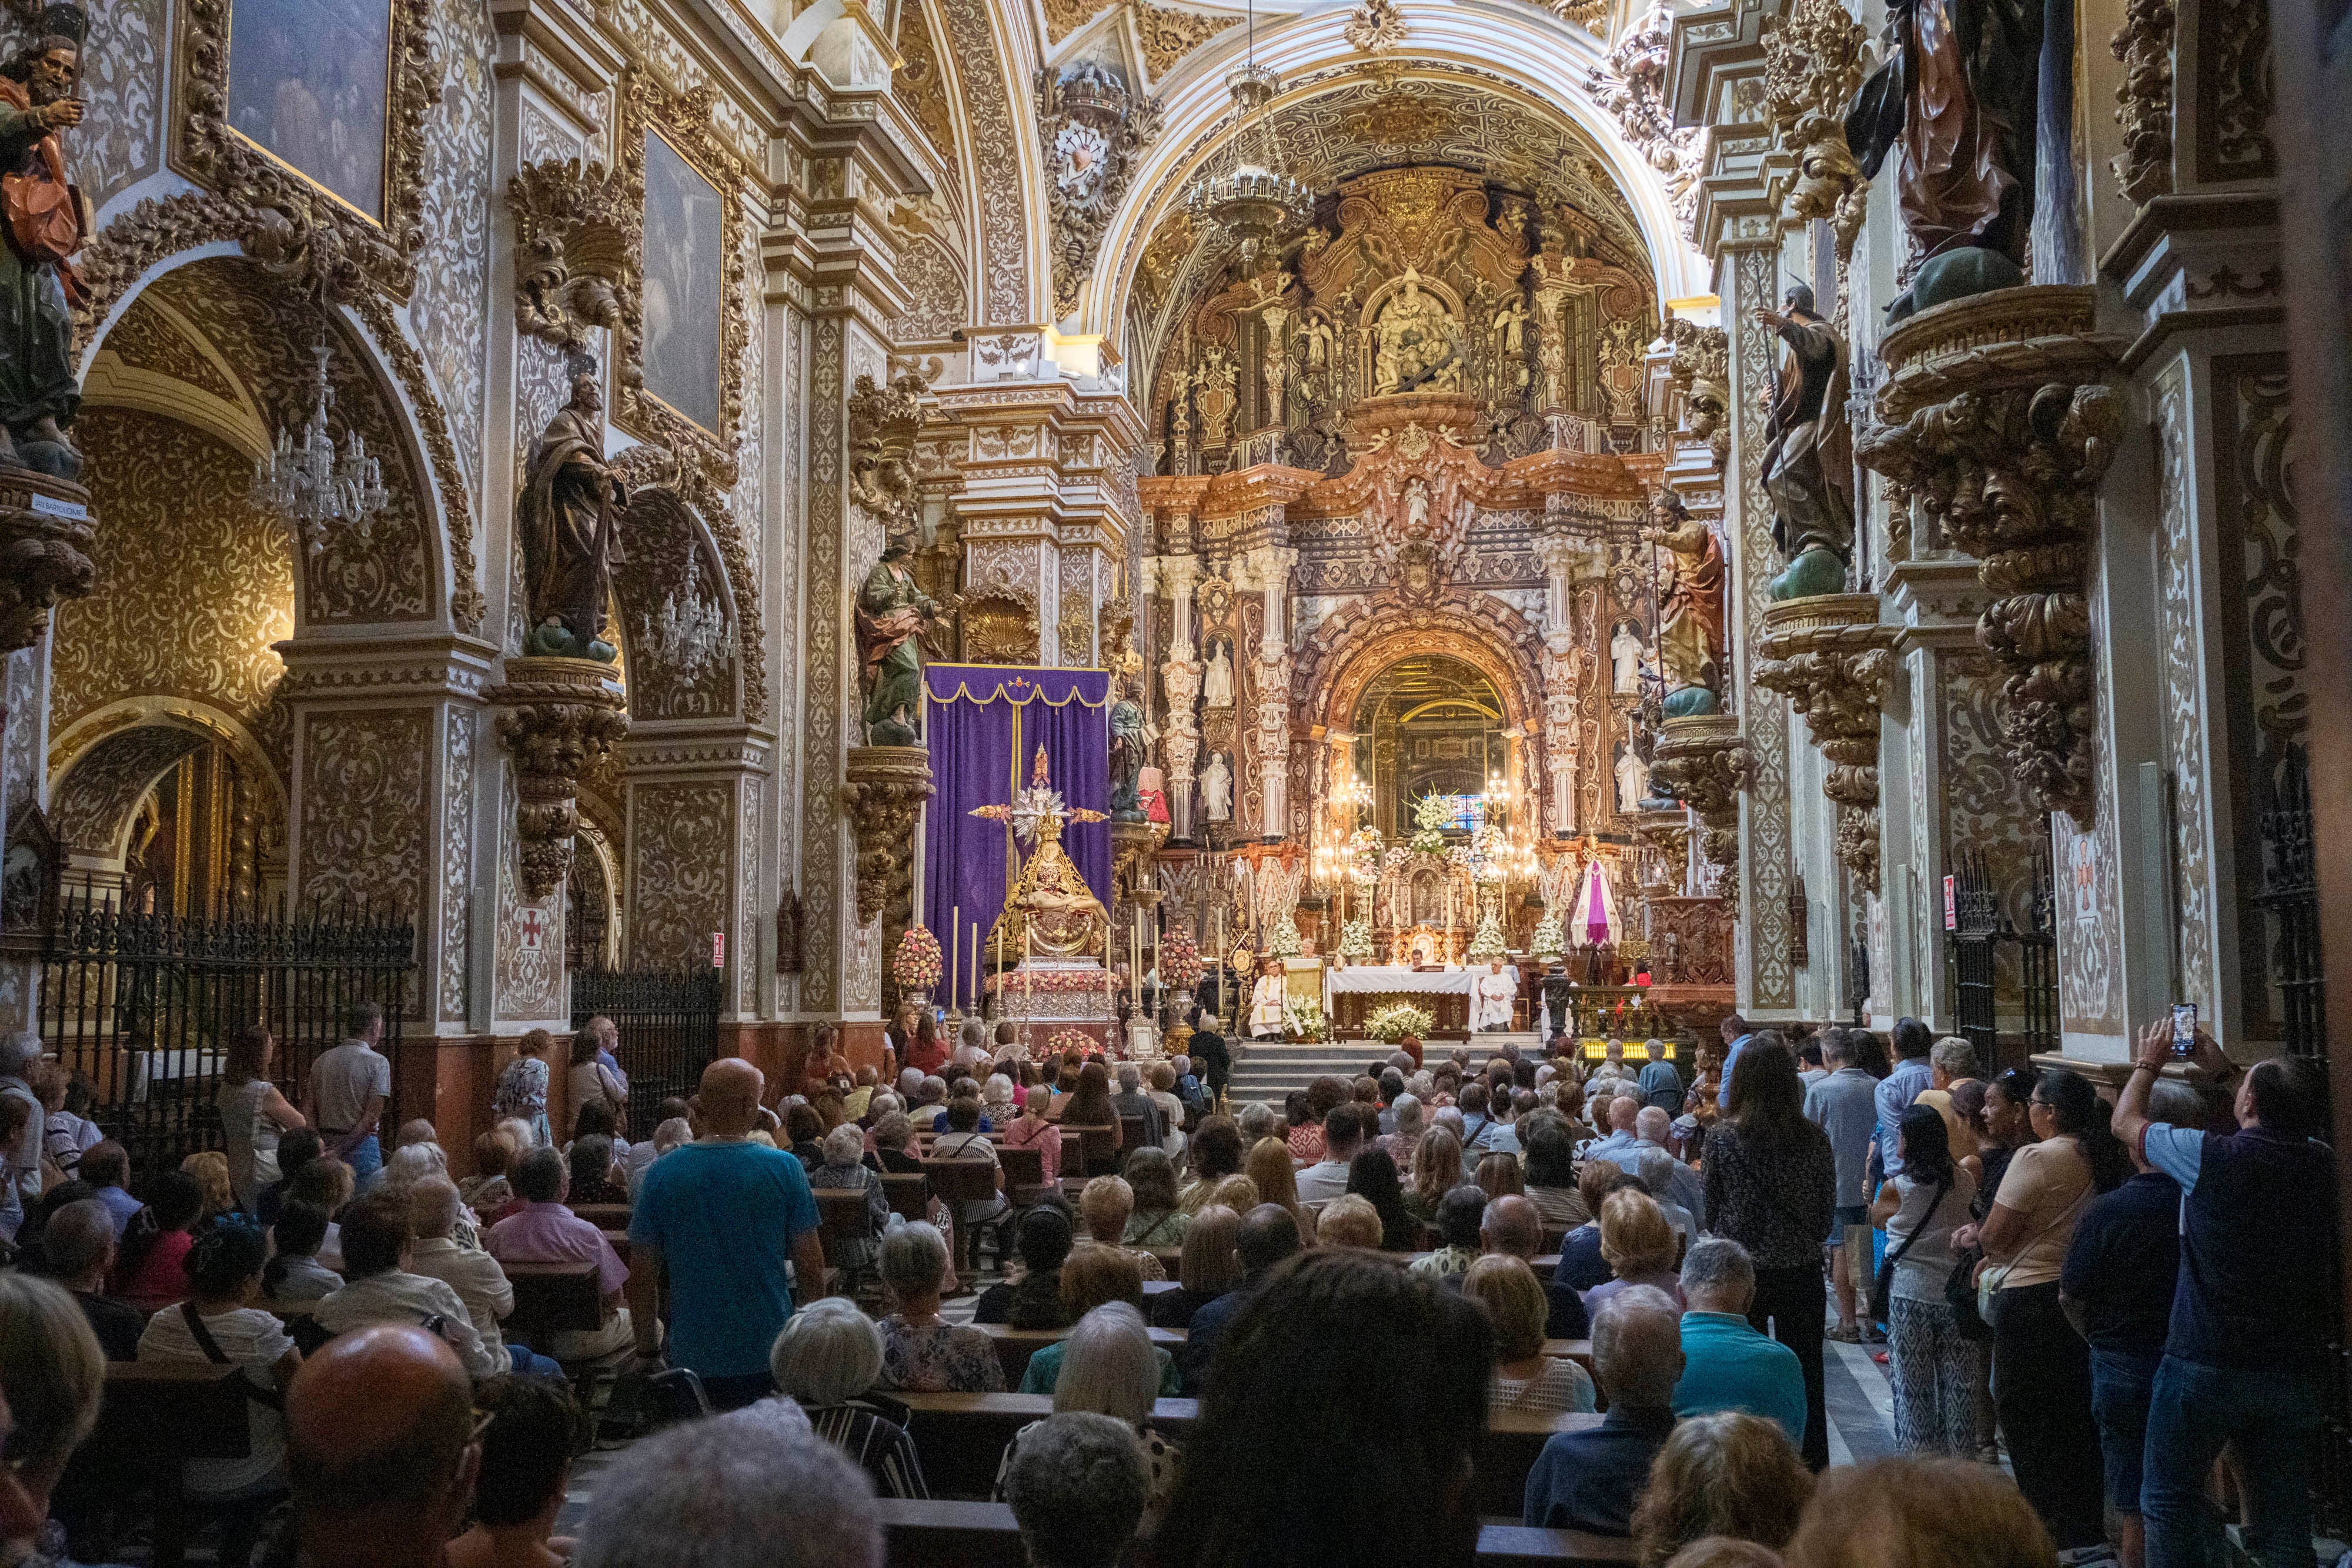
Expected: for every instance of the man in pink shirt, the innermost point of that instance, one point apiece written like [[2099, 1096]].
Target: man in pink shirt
[[544, 1231]]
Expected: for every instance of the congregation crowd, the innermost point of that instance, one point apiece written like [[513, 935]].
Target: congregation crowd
[[2103, 1324]]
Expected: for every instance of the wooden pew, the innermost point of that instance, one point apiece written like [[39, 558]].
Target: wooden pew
[[960, 1438], [1025, 1174], [1015, 1346], [151, 1419], [909, 1194], [949, 1534], [841, 1216], [549, 1298], [603, 1216]]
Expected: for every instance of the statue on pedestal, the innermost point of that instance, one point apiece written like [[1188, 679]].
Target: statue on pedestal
[[892, 616], [1625, 658], [1414, 343], [48, 221], [570, 518], [1217, 681], [1809, 453], [1217, 788], [1128, 744], [1690, 605], [1051, 911]]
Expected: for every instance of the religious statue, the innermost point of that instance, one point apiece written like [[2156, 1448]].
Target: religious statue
[[1416, 507], [1957, 100], [1511, 322], [1809, 453], [1633, 781], [1690, 605], [1415, 351], [1492, 991], [1217, 680], [1217, 788], [1050, 910], [570, 518], [1317, 334], [48, 221], [1625, 658], [892, 616], [1127, 748]]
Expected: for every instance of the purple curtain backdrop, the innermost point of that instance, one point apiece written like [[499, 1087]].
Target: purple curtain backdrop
[[970, 717]]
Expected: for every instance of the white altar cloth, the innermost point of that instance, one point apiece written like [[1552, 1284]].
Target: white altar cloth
[[1385, 978]]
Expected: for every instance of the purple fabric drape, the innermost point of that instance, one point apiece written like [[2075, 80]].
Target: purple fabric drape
[[980, 721]]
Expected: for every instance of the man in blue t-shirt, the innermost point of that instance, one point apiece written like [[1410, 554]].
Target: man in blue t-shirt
[[727, 1215], [2245, 1352], [1734, 1039]]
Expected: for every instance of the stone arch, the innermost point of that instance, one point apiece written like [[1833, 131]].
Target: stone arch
[[256, 331], [666, 534], [682, 495], [105, 768], [1346, 651]]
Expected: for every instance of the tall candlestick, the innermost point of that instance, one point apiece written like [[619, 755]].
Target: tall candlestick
[[1000, 964], [1217, 950], [955, 953], [976, 997]]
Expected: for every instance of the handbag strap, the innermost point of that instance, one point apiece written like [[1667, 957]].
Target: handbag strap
[[268, 1398], [1943, 1190]]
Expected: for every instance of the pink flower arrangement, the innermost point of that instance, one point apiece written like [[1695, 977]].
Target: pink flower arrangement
[[1180, 959], [1064, 1040], [916, 966]]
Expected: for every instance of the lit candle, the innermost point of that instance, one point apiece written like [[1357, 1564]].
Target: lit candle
[[975, 964], [955, 953]]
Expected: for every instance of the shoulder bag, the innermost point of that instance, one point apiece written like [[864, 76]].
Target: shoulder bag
[[1991, 1279], [270, 1398], [1881, 1287]]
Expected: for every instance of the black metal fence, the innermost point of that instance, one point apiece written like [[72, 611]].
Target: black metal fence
[[1980, 929], [2291, 897], [146, 1005], [668, 1021]]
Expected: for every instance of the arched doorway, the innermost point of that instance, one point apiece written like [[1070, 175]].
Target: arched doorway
[[1428, 725]]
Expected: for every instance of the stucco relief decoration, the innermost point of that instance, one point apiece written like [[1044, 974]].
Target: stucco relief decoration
[[685, 121], [1701, 370], [1419, 507], [363, 806], [1812, 63], [530, 978], [683, 849], [1830, 657], [1631, 85], [656, 468], [996, 157], [456, 861], [1091, 128], [575, 231], [1701, 761], [2143, 44], [553, 716], [119, 141], [1996, 416]]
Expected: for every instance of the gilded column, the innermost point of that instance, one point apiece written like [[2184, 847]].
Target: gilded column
[[1180, 677]]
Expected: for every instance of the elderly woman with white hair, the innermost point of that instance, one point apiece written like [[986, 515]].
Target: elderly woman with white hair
[[996, 1101], [413, 1162], [1131, 1101], [844, 1170], [921, 1351], [1111, 1369], [1405, 1141], [828, 1358]]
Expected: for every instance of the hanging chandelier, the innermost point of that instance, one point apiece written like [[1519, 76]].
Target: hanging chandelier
[[313, 487], [1244, 194], [691, 634]]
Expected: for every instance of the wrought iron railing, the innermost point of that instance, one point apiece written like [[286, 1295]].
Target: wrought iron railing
[[1980, 931], [669, 1020], [145, 1006]]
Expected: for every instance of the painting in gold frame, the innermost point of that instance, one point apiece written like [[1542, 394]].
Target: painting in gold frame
[[685, 284], [309, 85]]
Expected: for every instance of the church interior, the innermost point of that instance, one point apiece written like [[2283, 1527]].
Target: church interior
[[817, 532]]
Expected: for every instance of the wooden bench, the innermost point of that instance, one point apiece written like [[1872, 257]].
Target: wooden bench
[[841, 1216], [1024, 1173], [957, 1534], [1015, 1346], [603, 1216], [551, 1298], [909, 1194], [960, 1436], [151, 1420]]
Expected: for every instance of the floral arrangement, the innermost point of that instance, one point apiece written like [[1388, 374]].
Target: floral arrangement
[[1364, 856], [1398, 1021], [1062, 1042], [916, 965], [1488, 941], [1180, 958], [1356, 937], [1304, 1021], [1043, 982], [1430, 815], [1546, 937], [1282, 936]]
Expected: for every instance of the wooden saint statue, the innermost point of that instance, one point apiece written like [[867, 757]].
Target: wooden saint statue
[[570, 518]]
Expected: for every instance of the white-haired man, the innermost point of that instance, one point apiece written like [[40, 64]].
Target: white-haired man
[[1590, 1480]]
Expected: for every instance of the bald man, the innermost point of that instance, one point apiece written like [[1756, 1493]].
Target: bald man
[[727, 1215], [1514, 1227], [380, 1450]]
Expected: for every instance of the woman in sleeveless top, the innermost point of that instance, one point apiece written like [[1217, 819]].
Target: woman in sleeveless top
[[252, 1112]]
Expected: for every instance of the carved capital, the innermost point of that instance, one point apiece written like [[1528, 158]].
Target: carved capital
[[46, 535], [1701, 761], [1835, 663], [1812, 63], [554, 717], [575, 234], [882, 793], [1995, 417]]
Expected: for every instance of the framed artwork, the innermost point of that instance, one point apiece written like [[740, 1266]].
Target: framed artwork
[[685, 284], [310, 83], [686, 321]]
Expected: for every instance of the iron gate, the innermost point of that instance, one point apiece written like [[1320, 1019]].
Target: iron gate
[[145, 1006], [1979, 930], [668, 1021]]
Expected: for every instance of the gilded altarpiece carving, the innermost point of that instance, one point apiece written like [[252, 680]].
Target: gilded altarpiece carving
[[1764, 861]]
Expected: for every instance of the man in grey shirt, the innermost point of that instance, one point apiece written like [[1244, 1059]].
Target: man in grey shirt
[[345, 1095], [19, 1053], [1844, 1105]]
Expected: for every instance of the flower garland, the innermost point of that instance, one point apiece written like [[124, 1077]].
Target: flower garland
[[1180, 958], [916, 965], [1398, 1020], [1062, 1042]]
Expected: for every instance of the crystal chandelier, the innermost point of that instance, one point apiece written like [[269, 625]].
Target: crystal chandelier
[[691, 634], [310, 484], [1244, 194]]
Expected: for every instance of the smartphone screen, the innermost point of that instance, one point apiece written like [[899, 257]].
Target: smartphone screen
[[2184, 1030]]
